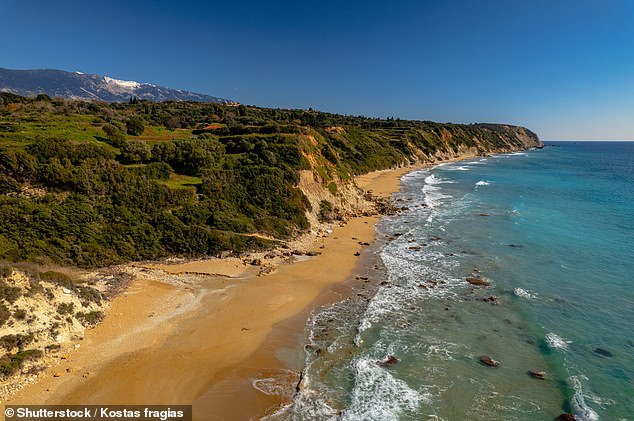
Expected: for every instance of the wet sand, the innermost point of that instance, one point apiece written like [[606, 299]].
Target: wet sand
[[206, 344]]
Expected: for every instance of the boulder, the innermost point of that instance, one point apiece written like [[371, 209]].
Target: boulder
[[565, 417], [540, 375], [603, 352], [388, 361], [478, 281], [488, 361]]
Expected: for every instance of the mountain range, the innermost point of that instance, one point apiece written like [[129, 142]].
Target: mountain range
[[77, 85]]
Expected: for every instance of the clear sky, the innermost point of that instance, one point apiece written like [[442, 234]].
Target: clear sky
[[563, 68]]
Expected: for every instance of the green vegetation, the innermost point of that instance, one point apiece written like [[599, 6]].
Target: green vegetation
[[9, 293], [325, 211], [89, 319], [66, 308], [10, 363], [19, 314], [4, 314], [8, 342], [94, 184]]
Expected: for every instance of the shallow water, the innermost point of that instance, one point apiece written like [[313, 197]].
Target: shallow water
[[552, 231]]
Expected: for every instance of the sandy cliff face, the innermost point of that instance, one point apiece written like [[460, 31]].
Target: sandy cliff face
[[43, 316], [348, 199]]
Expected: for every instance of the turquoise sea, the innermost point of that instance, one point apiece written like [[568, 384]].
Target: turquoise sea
[[552, 230]]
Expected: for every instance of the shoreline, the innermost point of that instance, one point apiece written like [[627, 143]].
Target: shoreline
[[220, 329], [279, 360], [122, 360]]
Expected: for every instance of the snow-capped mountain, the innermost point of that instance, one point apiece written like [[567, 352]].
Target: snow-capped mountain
[[77, 85]]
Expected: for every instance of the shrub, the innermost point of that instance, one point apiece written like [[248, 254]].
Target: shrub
[[115, 135], [332, 187], [8, 342], [66, 308], [88, 294], [10, 363], [134, 126], [5, 271], [58, 278], [19, 314], [89, 319], [325, 211], [9, 293], [4, 314]]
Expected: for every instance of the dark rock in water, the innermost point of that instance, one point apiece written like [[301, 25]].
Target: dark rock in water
[[491, 299], [483, 214], [434, 238], [541, 375], [603, 352], [519, 246], [565, 417], [388, 361], [486, 360], [416, 248], [478, 281]]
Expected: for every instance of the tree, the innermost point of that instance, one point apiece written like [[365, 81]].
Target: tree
[[135, 151], [114, 134], [134, 126]]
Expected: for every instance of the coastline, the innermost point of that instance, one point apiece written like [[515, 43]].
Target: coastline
[[204, 328]]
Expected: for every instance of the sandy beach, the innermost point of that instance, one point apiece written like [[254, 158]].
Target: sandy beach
[[211, 339]]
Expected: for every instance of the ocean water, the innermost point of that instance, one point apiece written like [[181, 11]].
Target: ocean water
[[552, 230]]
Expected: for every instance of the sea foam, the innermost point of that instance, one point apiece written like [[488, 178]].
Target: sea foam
[[555, 341], [519, 292], [582, 411], [377, 395]]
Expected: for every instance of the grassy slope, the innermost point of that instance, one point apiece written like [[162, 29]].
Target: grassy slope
[[76, 189]]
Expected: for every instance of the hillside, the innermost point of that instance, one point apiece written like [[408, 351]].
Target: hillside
[[92, 184], [77, 85]]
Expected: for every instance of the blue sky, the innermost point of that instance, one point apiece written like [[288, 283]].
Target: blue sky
[[563, 68]]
